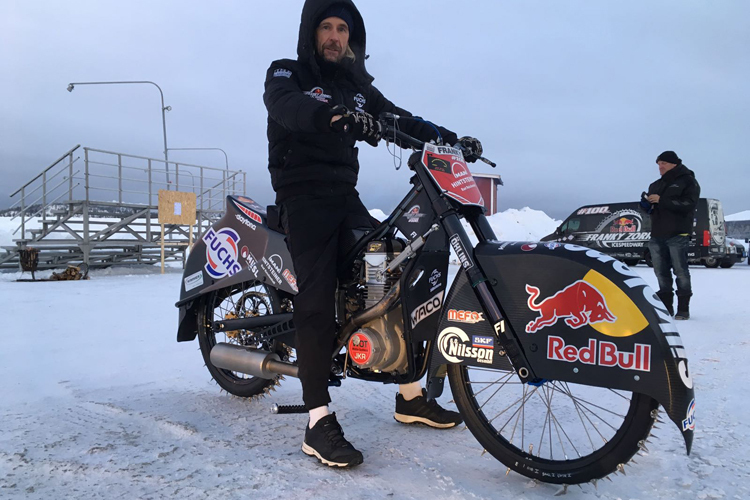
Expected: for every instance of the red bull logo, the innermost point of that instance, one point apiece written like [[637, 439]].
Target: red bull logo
[[623, 225], [579, 303], [600, 354]]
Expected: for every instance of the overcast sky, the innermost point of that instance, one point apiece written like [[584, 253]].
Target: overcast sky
[[573, 99]]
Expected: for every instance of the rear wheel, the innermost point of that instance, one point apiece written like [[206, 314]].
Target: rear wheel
[[726, 264], [555, 432], [711, 262], [238, 301]]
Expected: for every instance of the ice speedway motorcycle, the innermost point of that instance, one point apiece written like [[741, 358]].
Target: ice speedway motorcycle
[[559, 357]]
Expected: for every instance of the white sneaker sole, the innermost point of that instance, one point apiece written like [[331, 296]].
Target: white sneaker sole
[[309, 450], [410, 419]]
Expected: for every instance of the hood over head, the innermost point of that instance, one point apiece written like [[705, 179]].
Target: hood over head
[[311, 13]]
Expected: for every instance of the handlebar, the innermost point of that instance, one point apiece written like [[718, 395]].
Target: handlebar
[[389, 132]]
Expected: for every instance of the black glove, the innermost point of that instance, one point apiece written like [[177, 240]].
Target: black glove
[[363, 126], [471, 147]]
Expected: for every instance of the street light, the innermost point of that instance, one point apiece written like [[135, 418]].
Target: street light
[[226, 158], [164, 109]]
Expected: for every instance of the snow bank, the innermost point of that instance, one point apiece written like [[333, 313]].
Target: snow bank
[[738, 216], [525, 224]]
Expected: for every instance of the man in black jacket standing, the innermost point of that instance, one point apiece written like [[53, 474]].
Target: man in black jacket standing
[[319, 106], [673, 199]]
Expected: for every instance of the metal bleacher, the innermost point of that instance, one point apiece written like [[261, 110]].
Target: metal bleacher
[[100, 208]]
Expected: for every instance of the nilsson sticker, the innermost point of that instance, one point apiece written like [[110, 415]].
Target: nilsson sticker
[[456, 346]]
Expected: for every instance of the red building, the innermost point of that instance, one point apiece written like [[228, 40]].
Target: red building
[[488, 184]]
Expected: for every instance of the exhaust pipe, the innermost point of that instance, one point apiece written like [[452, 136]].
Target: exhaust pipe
[[250, 361]]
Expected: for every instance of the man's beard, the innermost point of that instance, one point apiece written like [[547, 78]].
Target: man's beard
[[332, 46]]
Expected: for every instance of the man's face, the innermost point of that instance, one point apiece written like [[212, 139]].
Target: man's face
[[665, 167], [332, 39]]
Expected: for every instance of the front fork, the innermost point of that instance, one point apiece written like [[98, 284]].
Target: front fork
[[461, 245]]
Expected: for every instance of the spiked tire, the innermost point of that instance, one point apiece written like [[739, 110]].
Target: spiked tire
[[563, 455], [246, 299]]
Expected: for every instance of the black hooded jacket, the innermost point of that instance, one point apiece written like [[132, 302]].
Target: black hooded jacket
[[678, 195], [303, 152]]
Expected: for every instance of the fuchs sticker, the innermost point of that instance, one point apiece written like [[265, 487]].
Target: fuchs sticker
[[461, 316], [482, 342], [689, 423], [456, 347], [252, 264], [600, 353], [413, 215], [463, 256], [318, 94], [222, 252], [194, 281], [249, 213], [553, 245], [360, 101], [283, 73], [360, 348], [579, 303], [435, 282], [289, 277], [426, 309]]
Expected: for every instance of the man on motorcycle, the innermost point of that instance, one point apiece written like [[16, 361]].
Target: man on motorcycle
[[313, 164]]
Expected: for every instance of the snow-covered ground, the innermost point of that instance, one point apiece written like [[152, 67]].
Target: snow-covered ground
[[100, 401]]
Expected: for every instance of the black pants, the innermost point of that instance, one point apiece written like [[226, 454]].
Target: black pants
[[318, 228]]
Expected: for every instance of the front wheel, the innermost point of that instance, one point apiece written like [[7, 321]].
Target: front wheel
[[555, 432], [239, 301]]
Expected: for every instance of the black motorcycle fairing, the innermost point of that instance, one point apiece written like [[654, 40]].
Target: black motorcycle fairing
[[584, 317], [417, 217], [238, 248]]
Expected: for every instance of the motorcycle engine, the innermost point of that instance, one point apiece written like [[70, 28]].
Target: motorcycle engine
[[379, 345]]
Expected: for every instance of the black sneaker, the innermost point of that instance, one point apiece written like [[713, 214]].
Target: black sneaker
[[326, 442], [421, 411]]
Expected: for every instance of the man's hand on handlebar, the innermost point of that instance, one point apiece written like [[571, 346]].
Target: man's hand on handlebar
[[363, 126], [471, 147]]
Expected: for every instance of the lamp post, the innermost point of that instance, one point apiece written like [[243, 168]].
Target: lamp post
[[164, 109], [226, 158]]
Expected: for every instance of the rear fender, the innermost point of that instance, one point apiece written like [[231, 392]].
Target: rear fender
[[237, 248], [584, 317]]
